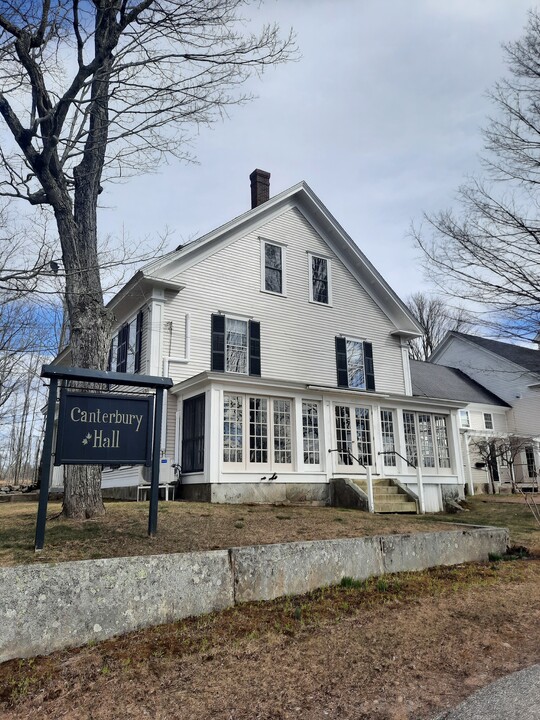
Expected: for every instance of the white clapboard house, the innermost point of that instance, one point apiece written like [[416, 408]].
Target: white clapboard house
[[288, 353]]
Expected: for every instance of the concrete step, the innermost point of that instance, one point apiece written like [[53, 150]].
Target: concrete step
[[382, 491], [395, 507]]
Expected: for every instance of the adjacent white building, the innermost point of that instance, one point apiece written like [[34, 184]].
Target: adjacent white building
[[511, 373], [289, 356]]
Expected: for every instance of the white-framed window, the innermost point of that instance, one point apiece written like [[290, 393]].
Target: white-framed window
[[488, 421], [441, 437], [257, 432], [320, 279], [355, 364], [273, 278], [131, 346], [387, 436], [236, 345], [409, 429], [464, 419], [426, 440], [310, 432], [233, 438]]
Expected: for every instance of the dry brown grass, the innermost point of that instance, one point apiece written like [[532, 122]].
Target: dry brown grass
[[183, 527]]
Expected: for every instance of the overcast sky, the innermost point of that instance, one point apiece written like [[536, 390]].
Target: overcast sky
[[381, 116]]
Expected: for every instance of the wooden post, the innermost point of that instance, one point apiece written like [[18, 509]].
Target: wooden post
[[156, 462], [420, 489], [46, 465], [371, 504]]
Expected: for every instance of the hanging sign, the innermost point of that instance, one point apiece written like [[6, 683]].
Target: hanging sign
[[104, 429]]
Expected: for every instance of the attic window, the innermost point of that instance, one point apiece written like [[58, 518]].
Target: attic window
[[320, 280], [273, 267]]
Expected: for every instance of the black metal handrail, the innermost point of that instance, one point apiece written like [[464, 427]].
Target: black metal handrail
[[349, 453], [395, 452]]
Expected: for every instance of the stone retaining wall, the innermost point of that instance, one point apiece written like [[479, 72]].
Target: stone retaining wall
[[52, 606]]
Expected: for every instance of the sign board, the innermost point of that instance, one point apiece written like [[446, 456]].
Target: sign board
[[104, 429]]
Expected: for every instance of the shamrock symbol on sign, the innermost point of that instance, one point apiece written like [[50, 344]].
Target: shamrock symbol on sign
[[86, 439]]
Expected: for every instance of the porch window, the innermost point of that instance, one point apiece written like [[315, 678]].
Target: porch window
[[232, 428], [441, 435], [282, 432], [258, 430], [260, 424], [387, 434], [363, 435], [426, 441], [310, 432], [409, 428], [343, 434]]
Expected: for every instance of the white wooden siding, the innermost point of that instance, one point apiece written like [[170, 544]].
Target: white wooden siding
[[501, 377], [297, 336]]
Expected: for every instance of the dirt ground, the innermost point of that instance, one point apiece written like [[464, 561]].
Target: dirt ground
[[403, 647], [184, 527], [400, 647]]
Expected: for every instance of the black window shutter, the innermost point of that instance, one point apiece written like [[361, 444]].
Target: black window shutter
[[218, 343], [138, 341], [341, 362], [254, 348], [121, 353], [109, 361], [368, 366]]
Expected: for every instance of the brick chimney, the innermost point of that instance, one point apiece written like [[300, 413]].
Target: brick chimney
[[260, 187]]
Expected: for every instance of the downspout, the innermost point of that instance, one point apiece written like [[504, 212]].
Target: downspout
[[167, 361]]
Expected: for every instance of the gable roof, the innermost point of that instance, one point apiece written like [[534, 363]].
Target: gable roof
[[526, 358], [439, 381], [301, 197]]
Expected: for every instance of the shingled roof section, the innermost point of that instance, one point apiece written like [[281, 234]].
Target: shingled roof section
[[438, 381], [527, 358]]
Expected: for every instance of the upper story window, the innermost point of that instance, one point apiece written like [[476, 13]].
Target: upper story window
[[354, 361], [273, 268], [235, 345], [488, 421], [464, 419], [320, 280], [126, 347]]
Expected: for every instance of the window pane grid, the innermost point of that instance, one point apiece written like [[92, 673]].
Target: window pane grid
[[282, 432], [409, 429], [258, 430], [488, 421], [343, 434], [319, 277], [355, 364], [232, 428], [273, 268], [236, 345], [441, 434], [387, 431], [310, 432], [426, 441], [363, 435]]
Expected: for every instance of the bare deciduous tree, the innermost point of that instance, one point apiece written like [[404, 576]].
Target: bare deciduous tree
[[488, 249], [96, 90], [436, 318]]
